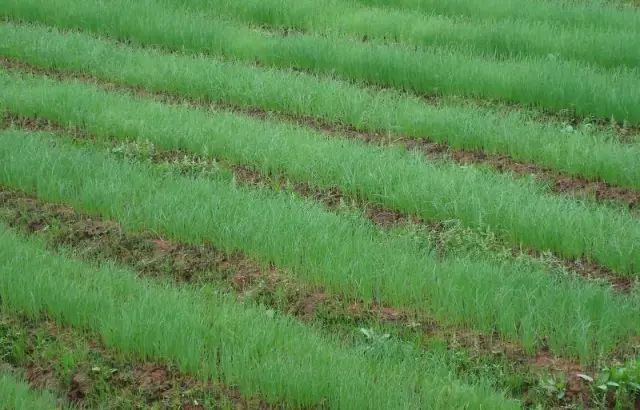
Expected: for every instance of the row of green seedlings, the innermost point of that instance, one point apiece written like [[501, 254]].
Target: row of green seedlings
[[209, 335], [610, 48], [473, 356], [545, 83], [440, 237], [347, 256], [589, 14], [95, 240], [520, 210], [585, 153]]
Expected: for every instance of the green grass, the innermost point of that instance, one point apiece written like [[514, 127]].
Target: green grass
[[575, 152], [588, 14], [105, 378], [160, 108], [519, 210], [15, 394], [505, 38], [544, 83], [93, 240], [211, 336], [344, 254]]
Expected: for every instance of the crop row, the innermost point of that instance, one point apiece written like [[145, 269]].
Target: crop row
[[520, 210], [208, 334], [546, 83], [587, 14], [506, 38], [346, 255], [296, 94], [445, 237], [91, 238]]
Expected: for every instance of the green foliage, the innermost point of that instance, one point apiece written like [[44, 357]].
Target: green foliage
[[348, 256], [554, 387], [622, 379], [590, 14], [517, 210], [608, 47], [540, 82], [210, 335], [15, 394]]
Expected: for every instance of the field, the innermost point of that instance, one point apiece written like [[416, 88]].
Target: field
[[356, 204]]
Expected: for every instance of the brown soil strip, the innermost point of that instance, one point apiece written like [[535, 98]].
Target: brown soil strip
[[334, 199], [559, 183], [97, 376], [153, 255]]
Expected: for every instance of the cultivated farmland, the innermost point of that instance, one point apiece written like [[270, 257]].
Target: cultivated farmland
[[348, 204]]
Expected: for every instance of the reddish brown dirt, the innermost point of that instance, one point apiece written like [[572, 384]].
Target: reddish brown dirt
[[79, 387], [577, 389], [44, 378], [560, 183]]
